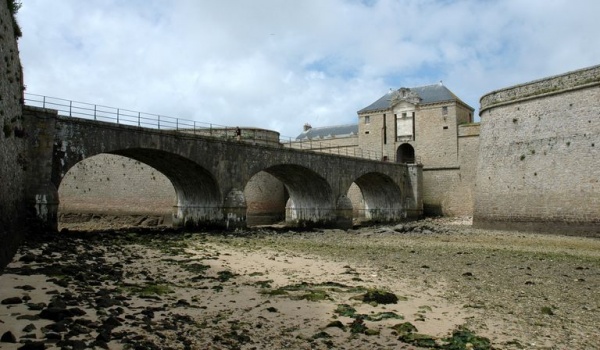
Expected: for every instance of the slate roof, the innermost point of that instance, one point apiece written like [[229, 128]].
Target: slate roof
[[428, 94], [329, 132]]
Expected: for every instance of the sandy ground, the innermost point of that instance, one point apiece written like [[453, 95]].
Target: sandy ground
[[267, 289]]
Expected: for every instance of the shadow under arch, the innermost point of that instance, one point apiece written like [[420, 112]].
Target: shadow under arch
[[310, 200], [382, 198]]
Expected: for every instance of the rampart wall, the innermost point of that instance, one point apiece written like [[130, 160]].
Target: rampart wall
[[450, 190], [539, 160], [13, 156]]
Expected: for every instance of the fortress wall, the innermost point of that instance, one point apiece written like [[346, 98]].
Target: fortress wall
[[539, 160], [111, 184], [436, 146], [450, 191], [468, 152], [13, 147]]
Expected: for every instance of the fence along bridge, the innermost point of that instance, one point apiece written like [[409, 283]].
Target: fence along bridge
[[209, 167]]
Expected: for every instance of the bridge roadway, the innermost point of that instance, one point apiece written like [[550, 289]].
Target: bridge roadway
[[209, 174]]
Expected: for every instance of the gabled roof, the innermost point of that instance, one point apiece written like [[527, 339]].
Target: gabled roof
[[428, 94], [329, 132]]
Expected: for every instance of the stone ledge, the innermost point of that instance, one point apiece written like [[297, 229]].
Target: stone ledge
[[573, 80]]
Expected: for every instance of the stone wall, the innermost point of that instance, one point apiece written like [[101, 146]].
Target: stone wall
[[448, 151], [450, 190], [539, 160], [13, 156], [111, 184]]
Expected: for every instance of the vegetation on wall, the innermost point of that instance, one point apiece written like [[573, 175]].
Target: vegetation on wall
[[13, 7]]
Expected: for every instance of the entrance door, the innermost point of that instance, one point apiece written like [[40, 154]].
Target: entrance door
[[405, 154]]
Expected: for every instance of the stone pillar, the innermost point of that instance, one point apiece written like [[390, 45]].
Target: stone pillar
[[46, 207], [413, 202], [290, 211], [316, 215], [234, 210], [344, 212], [196, 216]]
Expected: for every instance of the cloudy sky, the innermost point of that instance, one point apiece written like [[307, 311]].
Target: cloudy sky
[[277, 64]]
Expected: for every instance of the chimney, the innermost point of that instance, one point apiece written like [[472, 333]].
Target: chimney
[[307, 127]]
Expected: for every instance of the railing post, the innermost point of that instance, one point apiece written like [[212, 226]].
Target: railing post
[[94, 112], [139, 118], [70, 108], [117, 116], [158, 121], [177, 124], [44, 102], [194, 127]]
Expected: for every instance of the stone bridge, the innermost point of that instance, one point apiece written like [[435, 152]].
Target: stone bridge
[[209, 174]]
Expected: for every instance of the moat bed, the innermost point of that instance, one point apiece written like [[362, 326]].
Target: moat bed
[[427, 284]]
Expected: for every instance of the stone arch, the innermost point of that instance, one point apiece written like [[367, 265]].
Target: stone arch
[[382, 198], [107, 185], [405, 153], [310, 195], [198, 199]]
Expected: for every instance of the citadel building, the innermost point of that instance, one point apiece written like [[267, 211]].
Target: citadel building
[[428, 125]]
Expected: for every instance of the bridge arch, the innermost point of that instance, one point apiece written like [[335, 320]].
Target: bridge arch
[[381, 196], [198, 198], [310, 200]]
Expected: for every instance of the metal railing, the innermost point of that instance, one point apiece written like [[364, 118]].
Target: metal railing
[[330, 148], [121, 116]]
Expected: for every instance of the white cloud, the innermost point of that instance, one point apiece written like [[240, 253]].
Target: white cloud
[[278, 64]]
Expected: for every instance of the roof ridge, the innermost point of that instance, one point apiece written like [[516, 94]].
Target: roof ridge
[[332, 126]]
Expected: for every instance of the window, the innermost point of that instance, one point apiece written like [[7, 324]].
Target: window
[[445, 111], [367, 119], [403, 115]]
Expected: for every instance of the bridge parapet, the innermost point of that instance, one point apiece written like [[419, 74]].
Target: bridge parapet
[[251, 135]]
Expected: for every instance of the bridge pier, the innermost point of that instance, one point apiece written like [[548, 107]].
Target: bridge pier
[[230, 216], [193, 216], [45, 203], [340, 217], [344, 212], [385, 214], [234, 210]]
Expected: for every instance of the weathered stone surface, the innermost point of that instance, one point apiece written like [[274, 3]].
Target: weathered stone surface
[[539, 162], [208, 174], [13, 144]]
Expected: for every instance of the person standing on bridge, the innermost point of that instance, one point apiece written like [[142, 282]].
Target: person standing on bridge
[[238, 133]]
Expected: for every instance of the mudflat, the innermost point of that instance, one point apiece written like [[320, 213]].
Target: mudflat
[[427, 284]]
